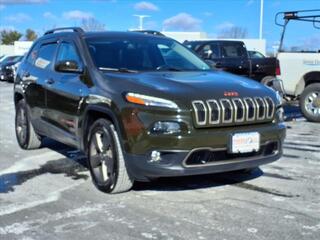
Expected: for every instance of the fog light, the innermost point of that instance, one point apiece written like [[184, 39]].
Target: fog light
[[165, 128], [155, 156]]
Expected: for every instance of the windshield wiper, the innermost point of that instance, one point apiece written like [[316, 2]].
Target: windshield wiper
[[168, 68], [123, 70]]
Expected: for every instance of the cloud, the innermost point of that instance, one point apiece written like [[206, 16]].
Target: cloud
[[146, 6], [49, 15], [182, 21], [77, 15], [11, 2], [208, 14], [250, 2], [7, 28], [225, 25], [18, 18]]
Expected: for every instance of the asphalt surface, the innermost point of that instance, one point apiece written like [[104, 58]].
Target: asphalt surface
[[48, 194]]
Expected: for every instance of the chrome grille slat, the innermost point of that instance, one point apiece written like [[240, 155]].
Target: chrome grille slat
[[248, 118], [236, 110], [262, 106], [228, 111], [269, 101], [211, 105], [196, 105], [224, 108]]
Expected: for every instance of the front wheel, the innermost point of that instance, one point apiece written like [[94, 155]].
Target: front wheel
[[310, 102], [105, 159]]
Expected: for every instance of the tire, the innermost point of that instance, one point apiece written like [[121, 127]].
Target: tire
[[267, 80], [310, 102], [25, 134], [105, 159]]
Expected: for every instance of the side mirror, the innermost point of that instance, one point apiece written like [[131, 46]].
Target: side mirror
[[68, 66]]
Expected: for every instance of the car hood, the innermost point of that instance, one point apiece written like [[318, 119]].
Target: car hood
[[190, 85]]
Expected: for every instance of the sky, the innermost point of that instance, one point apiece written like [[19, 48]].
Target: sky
[[211, 16]]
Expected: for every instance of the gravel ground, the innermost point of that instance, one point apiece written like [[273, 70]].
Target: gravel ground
[[48, 194]]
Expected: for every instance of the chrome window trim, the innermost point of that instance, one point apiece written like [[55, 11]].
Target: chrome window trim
[[210, 111], [236, 110], [247, 109], [196, 112], [223, 109], [258, 108]]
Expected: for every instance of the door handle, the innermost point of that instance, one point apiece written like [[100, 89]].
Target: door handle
[[49, 81]]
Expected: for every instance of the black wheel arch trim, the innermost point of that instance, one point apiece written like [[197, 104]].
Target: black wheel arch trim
[[105, 110]]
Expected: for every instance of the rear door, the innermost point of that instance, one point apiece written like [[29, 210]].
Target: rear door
[[64, 95]]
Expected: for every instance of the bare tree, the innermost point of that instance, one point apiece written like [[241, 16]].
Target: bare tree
[[92, 25], [233, 32]]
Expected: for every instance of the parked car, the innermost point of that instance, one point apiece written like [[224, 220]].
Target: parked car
[[233, 57], [142, 107], [300, 70], [8, 68]]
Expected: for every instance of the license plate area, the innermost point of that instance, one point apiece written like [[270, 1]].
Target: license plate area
[[244, 142]]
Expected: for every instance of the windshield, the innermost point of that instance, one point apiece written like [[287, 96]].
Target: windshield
[[143, 54]]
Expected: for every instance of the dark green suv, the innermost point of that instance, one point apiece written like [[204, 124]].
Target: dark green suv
[[142, 107]]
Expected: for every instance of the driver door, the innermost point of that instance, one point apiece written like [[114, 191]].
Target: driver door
[[65, 92]]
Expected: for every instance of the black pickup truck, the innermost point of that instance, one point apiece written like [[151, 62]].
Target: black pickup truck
[[232, 56]]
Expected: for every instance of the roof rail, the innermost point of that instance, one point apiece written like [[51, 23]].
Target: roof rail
[[74, 29]]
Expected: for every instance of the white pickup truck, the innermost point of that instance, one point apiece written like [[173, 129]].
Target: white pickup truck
[[300, 71]]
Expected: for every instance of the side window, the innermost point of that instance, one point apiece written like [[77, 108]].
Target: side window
[[233, 50], [210, 51], [45, 55], [215, 50], [33, 54], [67, 51]]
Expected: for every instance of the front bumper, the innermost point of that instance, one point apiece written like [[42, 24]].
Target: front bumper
[[186, 155]]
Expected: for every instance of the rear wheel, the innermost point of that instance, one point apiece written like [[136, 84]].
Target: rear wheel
[[105, 159], [310, 102], [26, 136]]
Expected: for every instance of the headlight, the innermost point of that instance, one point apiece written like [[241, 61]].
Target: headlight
[[168, 127], [279, 117], [149, 100]]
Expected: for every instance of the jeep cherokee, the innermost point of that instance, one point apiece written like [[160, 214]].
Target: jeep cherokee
[[142, 107]]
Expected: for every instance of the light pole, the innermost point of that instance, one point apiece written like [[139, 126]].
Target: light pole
[[141, 17], [261, 19]]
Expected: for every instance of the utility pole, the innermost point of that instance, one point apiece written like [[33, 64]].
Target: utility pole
[[141, 18], [261, 19]]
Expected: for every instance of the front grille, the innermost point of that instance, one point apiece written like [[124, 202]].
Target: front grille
[[233, 111]]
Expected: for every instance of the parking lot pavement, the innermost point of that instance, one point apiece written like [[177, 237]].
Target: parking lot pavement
[[48, 194]]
